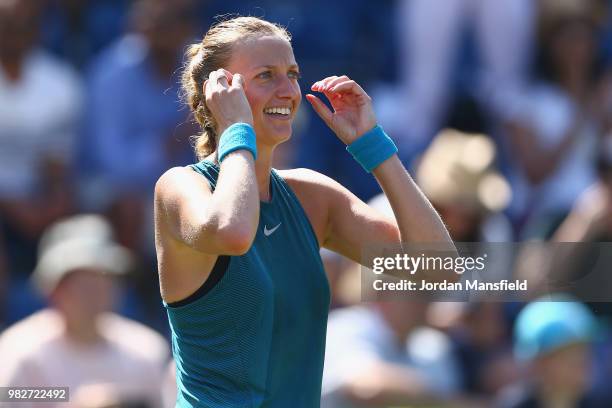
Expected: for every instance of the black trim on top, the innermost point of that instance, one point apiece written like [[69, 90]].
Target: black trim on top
[[217, 272]]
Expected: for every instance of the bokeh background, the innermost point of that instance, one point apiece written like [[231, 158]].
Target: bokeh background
[[502, 111]]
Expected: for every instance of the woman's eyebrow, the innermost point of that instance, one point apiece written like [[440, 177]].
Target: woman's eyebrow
[[292, 66]]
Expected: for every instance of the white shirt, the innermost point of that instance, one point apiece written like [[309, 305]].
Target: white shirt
[[38, 118], [132, 358], [357, 335], [550, 113]]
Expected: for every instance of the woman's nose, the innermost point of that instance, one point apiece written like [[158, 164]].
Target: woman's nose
[[288, 88]]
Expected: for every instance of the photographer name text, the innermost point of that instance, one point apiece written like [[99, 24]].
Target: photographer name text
[[423, 285]]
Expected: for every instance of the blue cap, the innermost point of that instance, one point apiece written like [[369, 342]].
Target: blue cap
[[544, 326]]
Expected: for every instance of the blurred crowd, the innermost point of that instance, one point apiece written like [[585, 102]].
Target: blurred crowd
[[502, 111]]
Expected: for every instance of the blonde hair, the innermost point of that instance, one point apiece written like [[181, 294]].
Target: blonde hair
[[212, 53]]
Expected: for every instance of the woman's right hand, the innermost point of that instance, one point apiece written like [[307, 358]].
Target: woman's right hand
[[226, 99]]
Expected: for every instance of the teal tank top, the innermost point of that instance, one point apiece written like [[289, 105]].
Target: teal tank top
[[254, 334]]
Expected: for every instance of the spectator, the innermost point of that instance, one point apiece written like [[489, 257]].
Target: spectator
[[105, 396], [384, 354], [555, 135], [76, 30], [591, 218], [343, 277], [457, 172], [40, 98], [3, 284], [169, 390], [134, 117], [553, 338], [77, 342], [483, 348], [590, 225], [429, 33]]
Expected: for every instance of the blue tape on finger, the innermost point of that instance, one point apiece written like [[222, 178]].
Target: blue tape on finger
[[373, 148]]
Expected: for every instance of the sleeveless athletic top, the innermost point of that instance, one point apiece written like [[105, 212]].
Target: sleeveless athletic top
[[254, 334]]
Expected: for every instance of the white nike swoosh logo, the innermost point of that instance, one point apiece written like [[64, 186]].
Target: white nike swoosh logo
[[268, 232]]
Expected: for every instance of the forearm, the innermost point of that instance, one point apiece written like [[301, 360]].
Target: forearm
[[235, 202], [416, 218]]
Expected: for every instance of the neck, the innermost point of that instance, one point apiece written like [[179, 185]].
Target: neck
[[85, 333], [263, 166]]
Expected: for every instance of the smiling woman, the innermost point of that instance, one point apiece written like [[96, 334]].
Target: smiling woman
[[262, 52], [238, 242]]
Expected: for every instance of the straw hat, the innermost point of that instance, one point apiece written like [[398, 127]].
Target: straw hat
[[79, 242], [457, 169]]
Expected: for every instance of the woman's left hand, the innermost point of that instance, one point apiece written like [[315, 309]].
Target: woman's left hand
[[352, 114]]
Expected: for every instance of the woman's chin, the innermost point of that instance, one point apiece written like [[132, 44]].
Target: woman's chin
[[273, 132], [279, 135]]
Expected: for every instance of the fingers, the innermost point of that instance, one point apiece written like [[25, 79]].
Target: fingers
[[224, 79], [226, 99], [321, 86], [337, 84], [347, 86], [213, 83], [337, 80], [227, 74], [238, 81], [327, 83], [219, 77], [321, 109], [217, 81]]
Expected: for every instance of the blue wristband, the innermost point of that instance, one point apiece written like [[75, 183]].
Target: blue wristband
[[373, 148], [239, 136]]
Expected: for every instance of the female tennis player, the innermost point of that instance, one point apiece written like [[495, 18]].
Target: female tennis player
[[238, 242]]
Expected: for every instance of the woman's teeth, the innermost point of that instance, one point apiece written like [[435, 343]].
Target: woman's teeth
[[281, 111]]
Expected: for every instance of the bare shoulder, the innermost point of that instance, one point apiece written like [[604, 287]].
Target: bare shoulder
[[310, 180], [311, 187], [176, 188], [172, 174], [317, 187], [178, 179], [180, 196], [316, 192]]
